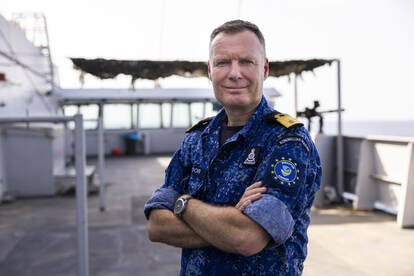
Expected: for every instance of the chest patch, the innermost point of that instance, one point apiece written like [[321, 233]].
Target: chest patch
[[252, 156]]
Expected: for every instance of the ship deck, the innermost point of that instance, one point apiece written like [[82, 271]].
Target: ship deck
[[38, 235]]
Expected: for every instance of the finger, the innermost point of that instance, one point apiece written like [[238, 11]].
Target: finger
[[239, 205], [248, 199], [254, 197], [254, 191], [254, 185], [244, 205]]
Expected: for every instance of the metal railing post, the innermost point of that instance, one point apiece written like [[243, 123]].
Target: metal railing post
[[101, 164], [81, 197], [339, 142]]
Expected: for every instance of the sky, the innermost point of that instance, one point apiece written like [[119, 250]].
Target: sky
[[374, 39]]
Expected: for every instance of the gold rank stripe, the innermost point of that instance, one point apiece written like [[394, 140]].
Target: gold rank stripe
[[286, 120], [206, 119]]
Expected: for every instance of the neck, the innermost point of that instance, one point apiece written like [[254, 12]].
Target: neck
[[237, 117]]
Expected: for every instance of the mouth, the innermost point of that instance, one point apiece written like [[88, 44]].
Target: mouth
[[234, 88]]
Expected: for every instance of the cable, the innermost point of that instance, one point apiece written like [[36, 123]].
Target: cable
[[25, 69], [15, 60], [24, 66]]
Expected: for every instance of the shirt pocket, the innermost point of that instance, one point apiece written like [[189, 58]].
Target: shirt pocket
[[229, 193], [230, 188], [195, 183]]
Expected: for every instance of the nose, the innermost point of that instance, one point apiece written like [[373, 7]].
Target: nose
[[235, 72]]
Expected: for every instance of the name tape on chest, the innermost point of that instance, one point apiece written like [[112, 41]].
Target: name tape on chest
[[198, 172], [291, 139], [252, 156]]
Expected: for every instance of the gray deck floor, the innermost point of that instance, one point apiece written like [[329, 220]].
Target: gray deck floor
[[38, 235]]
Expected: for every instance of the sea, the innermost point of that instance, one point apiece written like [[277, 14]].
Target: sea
[[364, 128]]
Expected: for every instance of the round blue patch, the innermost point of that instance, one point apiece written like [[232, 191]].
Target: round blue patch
[[285, 172]]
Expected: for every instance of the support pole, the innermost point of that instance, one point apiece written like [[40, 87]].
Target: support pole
[[81, 198], [138, 126], [189, 115], [161, 116], [66, 142], [339, 141], [131, 112], [204, 109], [295, 94], [101, 164], [171, 114]]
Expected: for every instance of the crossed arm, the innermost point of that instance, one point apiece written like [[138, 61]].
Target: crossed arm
[[201, 225]]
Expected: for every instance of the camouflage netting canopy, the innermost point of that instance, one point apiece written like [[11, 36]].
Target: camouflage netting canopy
[[285, 68], [152, 70]]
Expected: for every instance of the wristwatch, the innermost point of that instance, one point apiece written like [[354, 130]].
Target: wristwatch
[[180, 204]]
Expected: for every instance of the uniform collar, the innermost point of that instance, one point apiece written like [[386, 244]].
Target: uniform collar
[[215, 123], [255, 120]]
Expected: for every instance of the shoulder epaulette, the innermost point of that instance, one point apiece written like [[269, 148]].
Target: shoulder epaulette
[[282, 118], [201, 124]]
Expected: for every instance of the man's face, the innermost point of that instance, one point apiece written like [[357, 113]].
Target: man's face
[[237, 69]]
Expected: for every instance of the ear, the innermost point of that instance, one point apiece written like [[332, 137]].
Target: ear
[[266, 69], [209, 69]]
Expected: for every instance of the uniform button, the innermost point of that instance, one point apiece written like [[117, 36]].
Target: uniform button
[[300, 266]]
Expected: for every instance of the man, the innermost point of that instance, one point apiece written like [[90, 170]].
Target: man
[[238, 192]]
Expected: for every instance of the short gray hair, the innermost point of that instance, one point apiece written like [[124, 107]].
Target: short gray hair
[[238, 26]]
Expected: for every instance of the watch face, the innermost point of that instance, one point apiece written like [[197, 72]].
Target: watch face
[[179, 206]]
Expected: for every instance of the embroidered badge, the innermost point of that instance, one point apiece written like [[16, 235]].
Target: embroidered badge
[[285, 172], [252, 156], [293, 139]]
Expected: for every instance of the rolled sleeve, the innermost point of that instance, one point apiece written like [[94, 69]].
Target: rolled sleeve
[[273, 215], [162, 198]]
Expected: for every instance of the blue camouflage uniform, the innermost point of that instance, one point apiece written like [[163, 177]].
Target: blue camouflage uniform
[[286, 161]]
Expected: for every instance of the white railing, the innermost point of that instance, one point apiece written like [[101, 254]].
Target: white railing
[[81, 189], [378, 173], [385, 178]]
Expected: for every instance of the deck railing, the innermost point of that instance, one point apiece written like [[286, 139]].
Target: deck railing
[[81, 189], [378, 174]]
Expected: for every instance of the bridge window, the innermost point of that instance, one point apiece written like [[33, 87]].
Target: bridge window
[[181, 115], [166, 115], [196, 112], [117, 116], [90, 115], [149, 115]]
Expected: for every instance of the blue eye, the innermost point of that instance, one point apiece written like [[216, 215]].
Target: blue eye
[[221, 63], [246, 61]]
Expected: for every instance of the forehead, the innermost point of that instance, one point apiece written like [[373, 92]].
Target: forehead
[[242, 43]]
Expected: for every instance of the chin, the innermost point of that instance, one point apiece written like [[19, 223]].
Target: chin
[[240, 101], [237, 104], [235, 101]]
